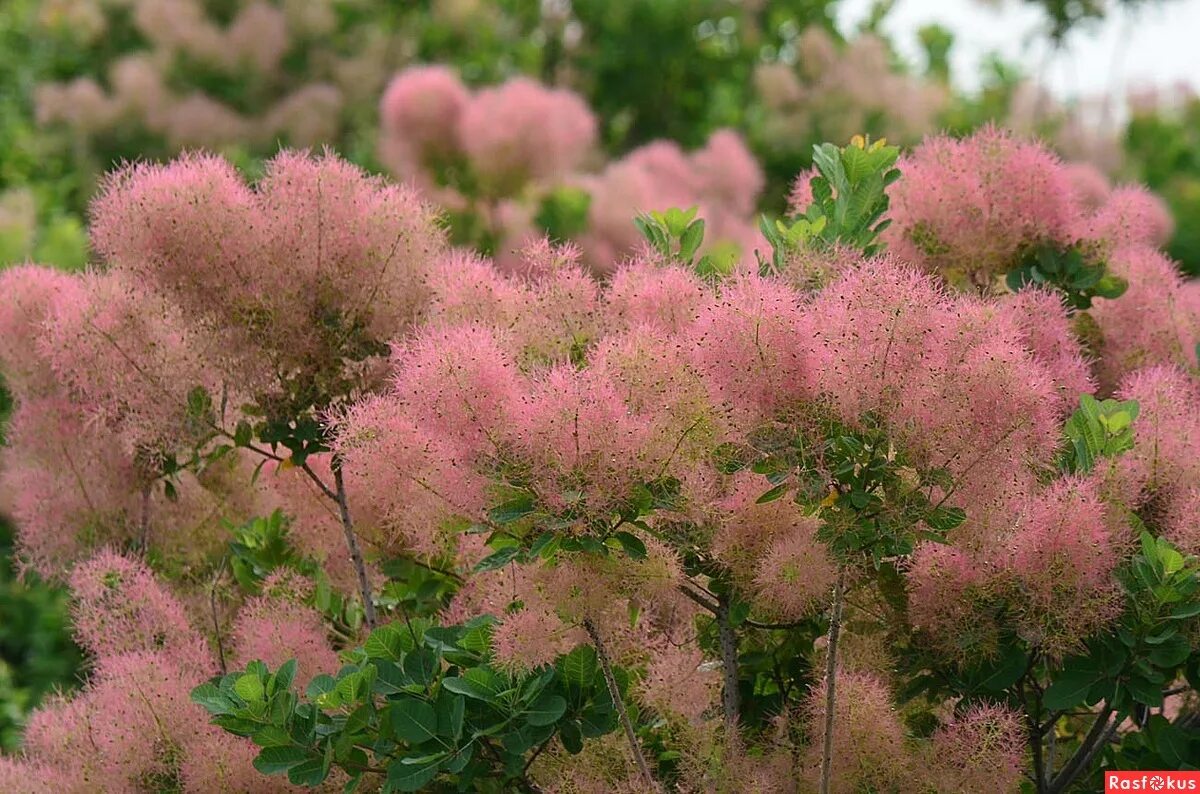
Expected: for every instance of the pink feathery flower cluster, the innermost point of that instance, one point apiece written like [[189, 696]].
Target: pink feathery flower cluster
[[521, 139], [1156, 321], [1162, 468], [1049, 561], [333, 262], [133, 720], [510, 134], [773, 551], [722, 179], [869, 750], [978, 751], [967, 208], [970, 208], [278, 626]]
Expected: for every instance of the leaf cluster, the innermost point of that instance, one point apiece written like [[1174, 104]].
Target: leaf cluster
[[418, 704]]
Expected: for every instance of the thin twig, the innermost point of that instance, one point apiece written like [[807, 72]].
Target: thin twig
[[212, 605], [144, 529], [730, 696], [618, 702], [364, 583], [835, 626], [711, 606]]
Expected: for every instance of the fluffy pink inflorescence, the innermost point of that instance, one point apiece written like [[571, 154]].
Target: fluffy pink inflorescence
[[461, 383], [522, 130], [753, 345], [528, 639], [119, 607], [678, 683], [275, 628], [720, 179], [646, 292], [31, 294], [466, 288], [130, 358], [1129, 215], [967, 207], [746, 532], [64, 486], [580, 444], [1156, 321], [795, 576], [950, 596], [412, 480], [979, 751], [420, 111], [1162, 467], [1062, 555], [328, 258], [869, 751], [1045, 328], [877, 328]]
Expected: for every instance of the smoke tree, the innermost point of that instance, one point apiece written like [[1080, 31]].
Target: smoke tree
[[905, 503]]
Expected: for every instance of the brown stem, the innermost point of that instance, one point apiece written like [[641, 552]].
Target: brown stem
[[144, 521], [364, 583], [730, 696], [1095, 740], [212, 605], [618, 702], [835, 627]]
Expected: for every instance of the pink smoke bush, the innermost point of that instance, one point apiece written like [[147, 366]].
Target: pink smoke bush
[[453, 401]]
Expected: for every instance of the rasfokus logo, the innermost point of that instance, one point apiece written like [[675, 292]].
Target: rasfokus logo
[[1151, 781]]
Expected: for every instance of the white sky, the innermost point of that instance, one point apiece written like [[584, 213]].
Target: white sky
[[1161, 42]]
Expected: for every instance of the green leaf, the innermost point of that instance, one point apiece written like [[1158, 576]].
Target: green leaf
[[1145, 691], [274, 760], [690, 240], [413, 720], [944, 519], [571, 737], [579, 667], [213, 699], [310, 773], [1004, 672], [284, 676], [512, 510], [631, 544], [385, 642], [1171, 742], [546, 710], [272, 736], [1171, 653], [249, 687], [450, 709], [422, 666], [472, 688], [319, 685], [498, 559], [1186, 610], [1069, 689], [773, 494], [413, 774]]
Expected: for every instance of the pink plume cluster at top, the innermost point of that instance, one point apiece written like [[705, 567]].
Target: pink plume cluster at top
[[722, 179], [969, 206], [333, 261], [509, 134]]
